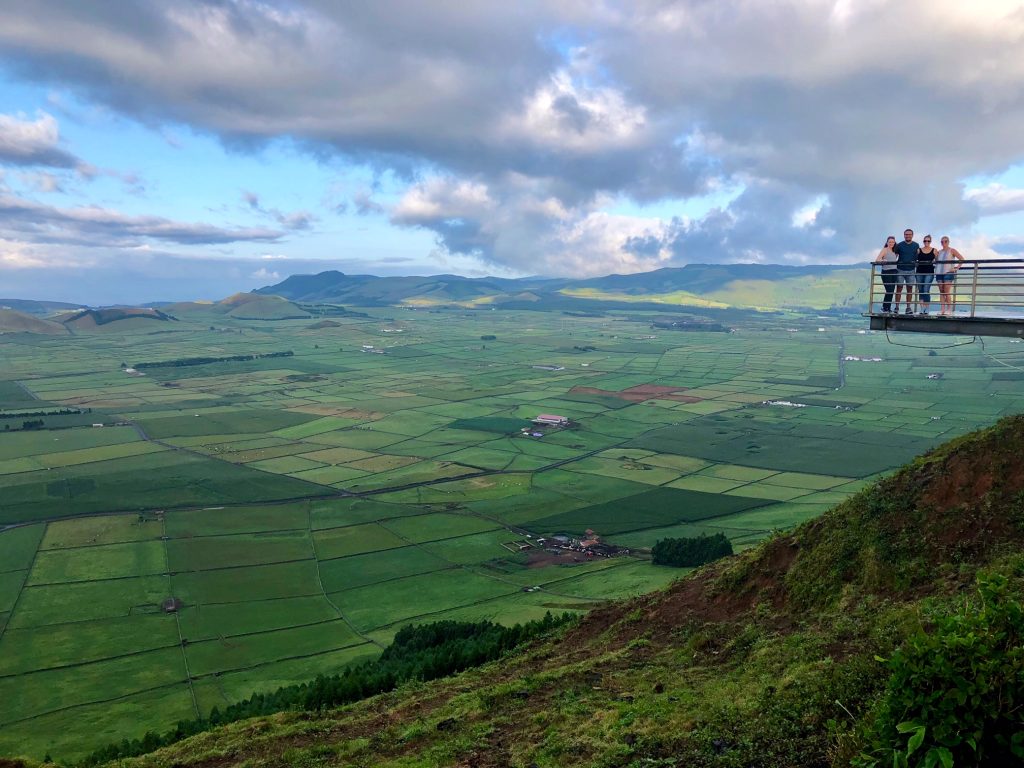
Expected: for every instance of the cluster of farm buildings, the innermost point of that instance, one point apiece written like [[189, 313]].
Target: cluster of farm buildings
[[589, 544]]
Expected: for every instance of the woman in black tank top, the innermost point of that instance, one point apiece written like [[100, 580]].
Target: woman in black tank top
[[925, 273]]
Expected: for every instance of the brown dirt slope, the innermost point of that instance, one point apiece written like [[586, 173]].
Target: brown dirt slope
[[12, 321]]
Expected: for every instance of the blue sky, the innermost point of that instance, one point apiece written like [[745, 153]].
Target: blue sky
[[196, 149]]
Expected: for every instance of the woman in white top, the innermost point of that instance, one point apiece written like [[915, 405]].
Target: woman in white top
[[945, 272], [887, 258]]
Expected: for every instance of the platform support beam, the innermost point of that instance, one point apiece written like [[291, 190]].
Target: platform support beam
[[960, 326]]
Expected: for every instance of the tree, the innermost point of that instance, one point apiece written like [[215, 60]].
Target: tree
[[691, 552]]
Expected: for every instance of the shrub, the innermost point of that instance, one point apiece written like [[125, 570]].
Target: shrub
[[955, 694]]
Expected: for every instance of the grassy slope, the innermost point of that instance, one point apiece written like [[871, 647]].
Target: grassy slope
[[248, 306], [841, 288], [738, 664], [13, 321]]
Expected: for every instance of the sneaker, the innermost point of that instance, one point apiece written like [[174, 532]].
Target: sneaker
[[906, 311]]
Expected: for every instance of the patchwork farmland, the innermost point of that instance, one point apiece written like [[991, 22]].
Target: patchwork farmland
[[254, 520]]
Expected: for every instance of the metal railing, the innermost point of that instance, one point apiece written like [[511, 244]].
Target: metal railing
[[980, 288]]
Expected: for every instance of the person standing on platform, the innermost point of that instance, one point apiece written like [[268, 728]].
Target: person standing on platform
[[925, 274], [945, 273], [887, 259], [906, 269]]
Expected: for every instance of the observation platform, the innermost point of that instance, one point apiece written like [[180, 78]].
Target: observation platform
[[985, 298]]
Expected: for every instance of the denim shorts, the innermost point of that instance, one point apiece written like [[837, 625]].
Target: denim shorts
[[906, 277], [946, 278]]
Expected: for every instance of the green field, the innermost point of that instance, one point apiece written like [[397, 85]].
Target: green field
[[297, 511]]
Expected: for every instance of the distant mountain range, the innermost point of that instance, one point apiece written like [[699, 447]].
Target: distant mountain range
[[707, 286], [37, 307], [754, 286]]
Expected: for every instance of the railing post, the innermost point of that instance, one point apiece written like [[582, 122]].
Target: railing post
[[871, 292], [974, 289]]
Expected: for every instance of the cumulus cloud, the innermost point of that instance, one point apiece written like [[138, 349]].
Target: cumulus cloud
[[997, 198], [28, 142], [266, 275], [519, 221], [514, 126]]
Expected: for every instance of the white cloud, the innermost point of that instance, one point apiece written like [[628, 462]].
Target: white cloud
[[28, 142], [996, 198], [266, 275], [565, 116]]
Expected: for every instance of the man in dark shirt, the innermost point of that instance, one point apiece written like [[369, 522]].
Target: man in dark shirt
[[906, 268]]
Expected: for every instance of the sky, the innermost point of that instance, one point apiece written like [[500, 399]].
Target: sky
[[156, 151]]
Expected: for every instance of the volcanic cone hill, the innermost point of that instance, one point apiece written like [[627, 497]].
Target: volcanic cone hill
[[112, 319], [799, 652], [249, 306], [13, 321]]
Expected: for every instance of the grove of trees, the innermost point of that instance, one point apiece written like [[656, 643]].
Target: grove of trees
[[691, 552]]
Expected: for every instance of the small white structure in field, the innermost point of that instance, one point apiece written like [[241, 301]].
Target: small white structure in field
[[552, 420]]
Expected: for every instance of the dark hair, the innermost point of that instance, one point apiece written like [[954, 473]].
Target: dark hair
[[891, 237]]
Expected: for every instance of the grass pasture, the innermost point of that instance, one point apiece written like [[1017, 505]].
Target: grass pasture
[[654, 508], [318, 502]]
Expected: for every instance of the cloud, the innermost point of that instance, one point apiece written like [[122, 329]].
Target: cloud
[[997, 198], [42, 181], [32, 222], [515, 127], [520, 222], [25, 142], [265, 275], [364, 204], [295, 220]]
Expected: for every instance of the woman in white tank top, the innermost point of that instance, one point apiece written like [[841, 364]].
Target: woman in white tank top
[[945, 272]]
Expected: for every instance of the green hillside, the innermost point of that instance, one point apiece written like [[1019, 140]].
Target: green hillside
[[892, 622], [754, 286], [248, 306], [842, 288]]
